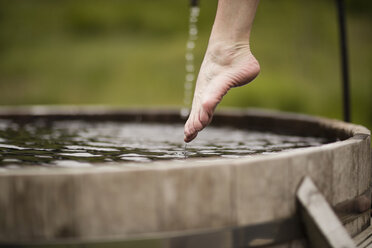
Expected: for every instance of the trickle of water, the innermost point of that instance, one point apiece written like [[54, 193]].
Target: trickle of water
[[185, 151], [189, 59]]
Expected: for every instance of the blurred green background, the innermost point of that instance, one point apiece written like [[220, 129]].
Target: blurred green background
[[131, 53]]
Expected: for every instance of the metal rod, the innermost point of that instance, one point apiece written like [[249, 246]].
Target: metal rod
[[344, 60], [194, 3]]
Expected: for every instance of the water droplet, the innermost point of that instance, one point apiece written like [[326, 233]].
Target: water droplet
[[190, 44], [189, 56], [189, 68], [189, 77], [193, 19], [185, 151], [185, 112], [193, 30], [188, 86]]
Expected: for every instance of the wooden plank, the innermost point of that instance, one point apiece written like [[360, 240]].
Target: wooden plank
[[322, 226], [366, 244], [364, 239]]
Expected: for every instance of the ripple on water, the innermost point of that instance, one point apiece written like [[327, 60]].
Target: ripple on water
[[103, 149], [12, 147], [83, 144], [79, 154]]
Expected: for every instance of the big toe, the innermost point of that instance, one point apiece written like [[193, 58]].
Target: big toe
[[205, 115], [190, 132], [197, 121], [189, 137]]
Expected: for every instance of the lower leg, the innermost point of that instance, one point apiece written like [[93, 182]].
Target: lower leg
[[228, 61]]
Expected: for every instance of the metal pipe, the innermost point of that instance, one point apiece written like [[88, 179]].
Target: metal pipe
[[344, 60], [194, 3]]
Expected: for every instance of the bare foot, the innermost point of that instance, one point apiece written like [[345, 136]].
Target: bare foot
[[224, 66]]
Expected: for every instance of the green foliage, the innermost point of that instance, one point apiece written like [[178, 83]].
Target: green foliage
[[121, 52]]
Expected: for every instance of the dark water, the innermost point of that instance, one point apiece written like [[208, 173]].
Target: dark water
[[80, 143]]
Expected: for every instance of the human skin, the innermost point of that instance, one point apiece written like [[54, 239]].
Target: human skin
[[228, 62]]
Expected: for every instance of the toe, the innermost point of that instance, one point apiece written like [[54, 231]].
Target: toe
[[187, 139], [194, 125], [204, 117], [198, 126], [190, 132], [189, 128]]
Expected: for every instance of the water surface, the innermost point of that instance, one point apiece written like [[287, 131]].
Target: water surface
[[82, 143]]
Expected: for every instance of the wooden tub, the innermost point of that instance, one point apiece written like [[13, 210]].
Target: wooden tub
[[243, 202]]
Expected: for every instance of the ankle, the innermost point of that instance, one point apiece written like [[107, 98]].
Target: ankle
[[228, 38], [224, 53], [229, 34]]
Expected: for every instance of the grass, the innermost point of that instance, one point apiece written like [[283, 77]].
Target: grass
[[131, 53]]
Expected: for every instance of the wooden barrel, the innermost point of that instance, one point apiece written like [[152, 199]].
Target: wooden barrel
[[197, 203]]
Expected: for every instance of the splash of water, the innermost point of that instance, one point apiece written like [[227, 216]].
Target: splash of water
[[189, 59]]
